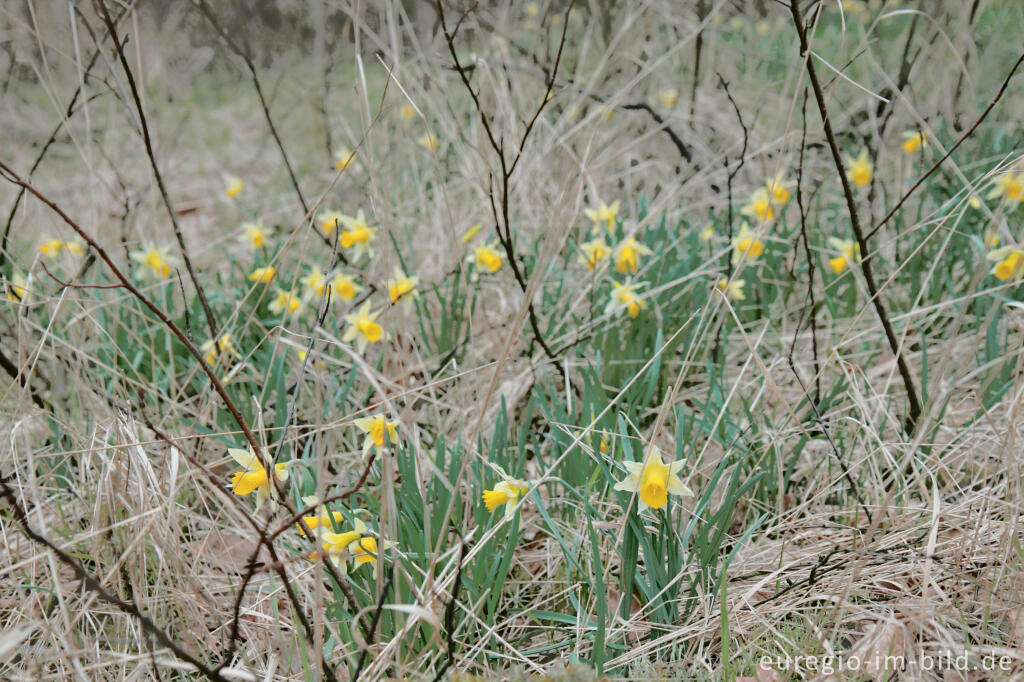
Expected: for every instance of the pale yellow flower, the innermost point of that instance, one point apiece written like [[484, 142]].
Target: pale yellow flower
[[991, 238], [156, 263], [363, 327], [407, 112], [667, 97], [314, 282], [1007, 186], [849, 253], [507, 492], [16, 288], [254, 477], [1009, 263], [912, 141], [625, 299], [344, 286], [329, 220], [859, 170], [594, 252], [779, 188], [53, 247], [760, 205], [428, 141], [604, 215], [628, 253], [263, 275], [233, 185], [357, 235], [212, 350], [402, 289], [345, 158], [746, 243], [653, 480], [253, 234], [732, 288], [486, 257], [285, 303], [378, 430], [707, 233]]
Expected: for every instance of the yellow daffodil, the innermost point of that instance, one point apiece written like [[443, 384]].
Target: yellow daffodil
[[407, 112], [402, 289], [344, 286], [318, 284], [624, 299], [974, 202], [263, 275], [760, 205], [859, 170], [428, 141], [653, 480], [363, 327], [594, 252], [991, 238], [316, 364], [156, 263], [16, 288], [233, 185], [365, 550], [1009, 263], [733, 289], [912, 141], [375, 428], [628, 253], [53, 247], [1007, 186], [358, 235], [328, 221], [667, 98], [486, 257], [746, 244], [322, 520], [849, 253], [254, 476], [285, 303], [253, 234], [707, 233], [345, 158], [779, 188], [507, 492], [315, 282], [212, 350], [604, 215]]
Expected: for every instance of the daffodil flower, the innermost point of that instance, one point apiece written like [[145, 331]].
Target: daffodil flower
[[991, 238], [345, 158], [628, 253], [1007, 186], [363, 327], [407, 112], [263, 275], [624, 299], [667, 97], [653, 480], [328, 221], [428, 141], [507, 492], [357, 545], [211, 350], [1009, 263], [285, 303], [594, 252], [315, 282], [254, 476], [357, 234], [760, 205], [604, 215], [253, 235], [707, 233], [323, 520], [779, 188], [233, 185], [365, 550], [912, 141], [974, 202], [53, 247], [486, 257], [402, 289], [16, 288], [849, 253], [344, 286], [156, 263], [859, 170], [746, 244], [375, 428], [732, 288]]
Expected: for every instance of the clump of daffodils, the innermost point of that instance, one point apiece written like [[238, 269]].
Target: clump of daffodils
[[363, 327], [357, 235], [402, 289], [253, 477], [913, 140], [593, 252], [54, 247], [746, 244], [213, 349], [849, 253], [263, 275], [507, 491], [317, 284], [375, 428], [627, 255], [624, 299], [603, 216], [356, 545], [156, 263], [653, 480], [859, 169], [486, 257], [1009, 263]]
